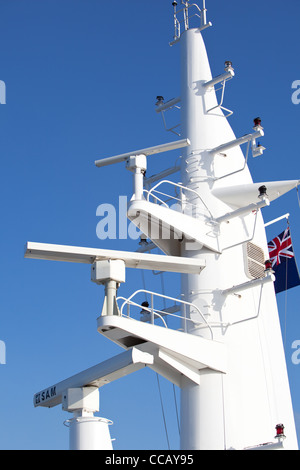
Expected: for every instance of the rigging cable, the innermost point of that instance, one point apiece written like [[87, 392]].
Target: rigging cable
[[174, 392], [157, 376], [286, 283], [176, 408], [163, 412], [298, 195], [144, 283]]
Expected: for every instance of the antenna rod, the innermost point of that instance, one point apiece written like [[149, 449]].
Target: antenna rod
[[204, 21], [186, 14], [148, 151], [176, 32]]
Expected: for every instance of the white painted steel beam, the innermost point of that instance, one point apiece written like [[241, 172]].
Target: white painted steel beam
[[97, 376], [243, 211], [137, 260], [220, 78], [285, 216], [182, 367], [195, 351], [167, 105], [250, 284], [236, 142]]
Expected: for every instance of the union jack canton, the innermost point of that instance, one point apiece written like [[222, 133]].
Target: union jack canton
[[282, 256]]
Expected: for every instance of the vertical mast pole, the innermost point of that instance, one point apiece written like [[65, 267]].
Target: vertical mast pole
[[176, 24], [186, 15], [255, 387], [202, 422], [204, 21]]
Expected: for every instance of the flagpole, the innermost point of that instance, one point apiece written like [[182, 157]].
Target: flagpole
[[286, 216]]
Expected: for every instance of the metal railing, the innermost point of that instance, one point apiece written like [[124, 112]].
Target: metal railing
[[187, 16], [151, 313], [180, 200]]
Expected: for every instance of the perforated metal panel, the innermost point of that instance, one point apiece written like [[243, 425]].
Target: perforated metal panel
[[255, 265]]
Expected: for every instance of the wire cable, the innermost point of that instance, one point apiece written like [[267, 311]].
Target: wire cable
[[157, 376], [176, 408], [163, 412]]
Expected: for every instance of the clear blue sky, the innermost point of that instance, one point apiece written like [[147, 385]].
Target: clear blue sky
[[81, 80]]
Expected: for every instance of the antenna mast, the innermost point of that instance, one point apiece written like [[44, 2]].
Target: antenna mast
[[214, 411], [227, 355], [204, 14], [185, 11]]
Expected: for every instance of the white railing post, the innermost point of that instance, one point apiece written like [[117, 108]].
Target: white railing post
[[152, 310]]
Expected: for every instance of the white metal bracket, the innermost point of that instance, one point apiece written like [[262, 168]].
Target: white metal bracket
[[250, 284], [223, 78], [243, 211], [234, 143], [161, 107], [227, 75]]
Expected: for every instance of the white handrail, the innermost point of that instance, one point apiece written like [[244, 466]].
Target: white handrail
[[173, 198], [179, 185], [163, 203], [201, 14], [147, 309], [128, 302]]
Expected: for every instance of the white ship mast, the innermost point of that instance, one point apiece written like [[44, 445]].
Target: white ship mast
[[228, 358]]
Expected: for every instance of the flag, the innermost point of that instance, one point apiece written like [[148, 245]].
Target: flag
[[283, 260]]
